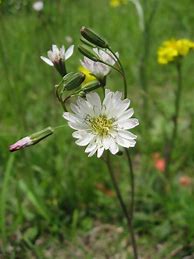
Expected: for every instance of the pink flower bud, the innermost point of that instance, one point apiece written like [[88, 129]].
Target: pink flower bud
[[22, 143], [32, 139]]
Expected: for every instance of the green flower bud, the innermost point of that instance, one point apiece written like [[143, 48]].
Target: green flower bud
[[88, 52], [91, 86], [73, 80], [86, 42], [93, 37], [40, 135]]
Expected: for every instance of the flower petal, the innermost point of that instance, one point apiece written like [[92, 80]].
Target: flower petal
[[48, 61], [69, 52], [100, 152]]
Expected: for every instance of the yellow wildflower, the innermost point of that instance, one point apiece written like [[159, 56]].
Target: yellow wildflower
[[116, 3], [183, 46], [172, 49], [87, 73]]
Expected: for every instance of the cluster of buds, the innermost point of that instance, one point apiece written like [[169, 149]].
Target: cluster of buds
[[97, 61]]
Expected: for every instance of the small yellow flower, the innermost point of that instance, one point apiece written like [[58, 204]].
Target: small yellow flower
[[116, 3], [183, 46], [172, 49], [87, 73]]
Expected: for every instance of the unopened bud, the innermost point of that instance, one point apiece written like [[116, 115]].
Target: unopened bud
[[91, 86], [93, 37], [86, 42], [31, 140], [73, 80], [22, 143], [88, 52]]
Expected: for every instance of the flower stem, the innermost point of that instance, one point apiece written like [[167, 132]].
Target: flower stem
[[132, 183], [122, 72], [123, 206], [59, 99], [175, 117]]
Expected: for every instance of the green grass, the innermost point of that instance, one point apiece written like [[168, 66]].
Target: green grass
[[49, 203]]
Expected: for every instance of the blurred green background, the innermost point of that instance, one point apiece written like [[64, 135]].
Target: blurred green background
[[54, 201]]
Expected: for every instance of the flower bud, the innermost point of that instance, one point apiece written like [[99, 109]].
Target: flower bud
[[22, 143], [93, 37], [73, 80], [88, 52], [91, 86], [31, 140], [86, 42]]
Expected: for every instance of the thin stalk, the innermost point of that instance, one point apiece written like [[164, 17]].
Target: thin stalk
[[122, 72], [132, 183], [123, 206], [59, 99], [60, 126], [127, 153], [113, 67], [3, 201], [175, 117]]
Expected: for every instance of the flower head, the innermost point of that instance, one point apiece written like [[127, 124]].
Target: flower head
[[102, 125], [172, 49], [99, 69], [38, 6], [56, 55]]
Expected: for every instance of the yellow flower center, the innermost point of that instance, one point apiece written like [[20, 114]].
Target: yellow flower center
[[101, 125]]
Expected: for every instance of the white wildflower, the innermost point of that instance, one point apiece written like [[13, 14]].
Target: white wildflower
[[56, 55], [99, 69], [102, 125], [38, 6]]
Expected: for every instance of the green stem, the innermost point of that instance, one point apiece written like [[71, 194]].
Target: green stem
[[123, 206], [122, 72], [60, 126], [175, 117], [127, 153], [132, 183], [113, 67], [3, 200], [59, 99]]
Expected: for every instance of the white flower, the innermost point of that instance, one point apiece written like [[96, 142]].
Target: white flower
[[38, 6], [102, 125], [57, 55], [98, 69]]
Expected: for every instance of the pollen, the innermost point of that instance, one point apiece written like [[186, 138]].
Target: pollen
[[101, 125]]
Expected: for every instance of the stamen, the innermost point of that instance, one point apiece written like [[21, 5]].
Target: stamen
[[101, 125]]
